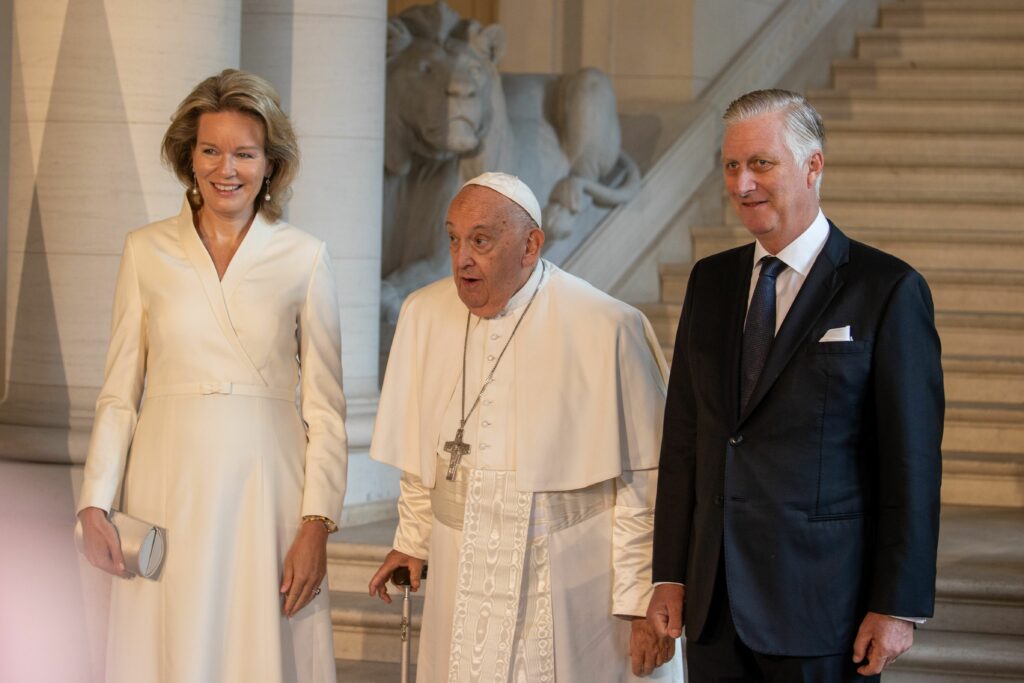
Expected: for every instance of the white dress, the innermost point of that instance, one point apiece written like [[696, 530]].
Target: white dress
[[219, 454]]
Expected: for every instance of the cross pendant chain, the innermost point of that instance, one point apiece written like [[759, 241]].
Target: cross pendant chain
[[457, 448]]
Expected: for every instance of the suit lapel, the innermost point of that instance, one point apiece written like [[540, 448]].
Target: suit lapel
[[737, 312], [207, 272], [821, 285]]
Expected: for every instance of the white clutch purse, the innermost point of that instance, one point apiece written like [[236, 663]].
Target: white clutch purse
[[142, 543]]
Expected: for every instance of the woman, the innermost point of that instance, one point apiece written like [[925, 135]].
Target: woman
[[220, 313]]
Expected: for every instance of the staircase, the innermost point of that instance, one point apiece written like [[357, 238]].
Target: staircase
[[925, 160]]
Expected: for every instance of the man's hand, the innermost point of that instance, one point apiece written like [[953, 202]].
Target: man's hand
[[305, 567], [666, 610], [394, 560], [101, 543], [881, 640], [648, 650]]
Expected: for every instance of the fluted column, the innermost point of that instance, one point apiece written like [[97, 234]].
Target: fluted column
[[91, 87], [93, 84], [326, 57]]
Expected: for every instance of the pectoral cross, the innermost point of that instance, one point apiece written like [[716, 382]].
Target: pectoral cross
[[457, 448]]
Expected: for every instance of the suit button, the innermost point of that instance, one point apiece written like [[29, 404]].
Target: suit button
[[719, 501], [736, 440]]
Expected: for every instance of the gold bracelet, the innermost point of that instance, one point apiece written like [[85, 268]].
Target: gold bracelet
[[327, 522]]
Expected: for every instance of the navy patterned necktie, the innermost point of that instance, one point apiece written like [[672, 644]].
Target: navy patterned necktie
[[759, 331]]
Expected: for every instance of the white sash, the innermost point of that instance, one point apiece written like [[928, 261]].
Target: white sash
[[490, 579]]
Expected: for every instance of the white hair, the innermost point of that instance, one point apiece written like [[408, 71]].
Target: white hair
[[804, 132]]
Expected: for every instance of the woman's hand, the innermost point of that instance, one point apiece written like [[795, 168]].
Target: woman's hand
[[305, 567], [101, 543]]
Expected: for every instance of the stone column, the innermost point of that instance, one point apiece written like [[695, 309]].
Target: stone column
[[326, 57], [91, 87]]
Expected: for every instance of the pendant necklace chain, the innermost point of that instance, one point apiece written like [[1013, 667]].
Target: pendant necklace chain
[[457, 447]]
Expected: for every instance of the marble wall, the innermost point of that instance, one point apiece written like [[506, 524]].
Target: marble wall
[[92, 86], [93, 83], [655, 51]]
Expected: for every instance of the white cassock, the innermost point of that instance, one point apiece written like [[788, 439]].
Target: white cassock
[[218, 454], [540, 550]]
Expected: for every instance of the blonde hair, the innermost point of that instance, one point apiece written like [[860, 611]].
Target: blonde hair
[[234, 90], [804, 130]]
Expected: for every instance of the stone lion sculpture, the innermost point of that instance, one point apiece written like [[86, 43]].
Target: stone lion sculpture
[[451, 116]]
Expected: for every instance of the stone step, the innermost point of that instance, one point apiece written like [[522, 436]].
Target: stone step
[[987, 428], [995, 291], [950, 656], [368, 630], [929, 5], [943, 45], [978, 291], [982, 479], [928, 216], [894, 111], [999, 335], [984, 380], [354, 671], [905, 75], [350, 566], [956, 149], [995, 18], [978, 587], [925, 183], [356, 554], [925, 250]]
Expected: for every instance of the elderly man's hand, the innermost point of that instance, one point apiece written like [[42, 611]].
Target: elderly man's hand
[[881, 639], [394, 560], [666, 610], [305, 567], [647, 650], [100, 542]]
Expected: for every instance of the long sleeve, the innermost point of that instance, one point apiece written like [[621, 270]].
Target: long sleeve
[[415, 519], [323, 403], [677, 466], [632, 539], [909, 407], [117, 408]]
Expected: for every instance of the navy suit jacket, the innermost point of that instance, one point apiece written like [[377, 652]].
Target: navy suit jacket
[[822, 495]]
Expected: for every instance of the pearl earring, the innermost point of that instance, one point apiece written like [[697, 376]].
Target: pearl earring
[[266, 197], [195, 186]]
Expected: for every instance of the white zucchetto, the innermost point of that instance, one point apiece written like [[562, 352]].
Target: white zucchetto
[[512, 187]]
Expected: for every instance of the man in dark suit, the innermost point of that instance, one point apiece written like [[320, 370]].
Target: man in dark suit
[[798, 496]]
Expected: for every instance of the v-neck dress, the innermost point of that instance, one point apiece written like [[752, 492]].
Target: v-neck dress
[[222, 417]]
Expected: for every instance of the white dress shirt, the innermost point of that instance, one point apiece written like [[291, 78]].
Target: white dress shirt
[[799, 255]]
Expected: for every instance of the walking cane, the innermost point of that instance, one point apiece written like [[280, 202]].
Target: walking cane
[[401, 578]]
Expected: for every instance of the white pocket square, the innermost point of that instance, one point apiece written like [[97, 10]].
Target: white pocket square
[[837, 334]]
